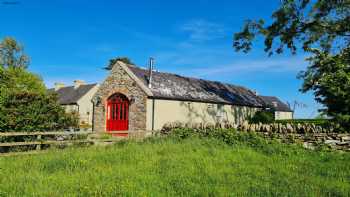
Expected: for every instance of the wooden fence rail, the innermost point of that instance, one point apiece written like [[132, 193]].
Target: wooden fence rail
[[38, 141], [10, 134]]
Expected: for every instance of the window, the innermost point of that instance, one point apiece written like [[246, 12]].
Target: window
[[220, 111]]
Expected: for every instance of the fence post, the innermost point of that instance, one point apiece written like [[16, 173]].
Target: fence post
[[38, 146]]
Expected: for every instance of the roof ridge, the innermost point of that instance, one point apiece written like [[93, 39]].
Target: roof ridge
[[190, 77], [72, 86]]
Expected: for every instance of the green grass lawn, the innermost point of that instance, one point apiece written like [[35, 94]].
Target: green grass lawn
[[169, 167]]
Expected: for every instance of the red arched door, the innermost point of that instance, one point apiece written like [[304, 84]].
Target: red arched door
[[117, 113]]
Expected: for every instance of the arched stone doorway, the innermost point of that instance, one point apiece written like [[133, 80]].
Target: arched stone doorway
[[117, 113]]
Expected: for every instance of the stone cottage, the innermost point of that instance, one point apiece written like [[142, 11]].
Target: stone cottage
[[132, 98], [77, 98]]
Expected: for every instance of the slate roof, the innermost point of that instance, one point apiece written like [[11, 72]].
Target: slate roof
[[69, 95], [269, 102], [176, 87]]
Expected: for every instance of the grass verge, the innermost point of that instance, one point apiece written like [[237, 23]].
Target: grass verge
[[193, 166]]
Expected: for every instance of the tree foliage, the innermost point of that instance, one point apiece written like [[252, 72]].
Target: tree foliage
[[321, 29], [323, 24], [18, 79], [262, 117], [328, 77], [25, 104], [28, 111], [111, 63], [11, 54]]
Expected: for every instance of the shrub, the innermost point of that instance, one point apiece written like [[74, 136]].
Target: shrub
[[29, 112], [229, 136], [262, 117], [234, 138], [25, 111], [343, 121], [25, 104]]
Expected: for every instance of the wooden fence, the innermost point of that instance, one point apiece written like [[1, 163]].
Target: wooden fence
[[38, 140]]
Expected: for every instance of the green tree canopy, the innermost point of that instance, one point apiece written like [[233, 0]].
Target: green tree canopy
[[126, 60], [304, 24], [328, 77], [262, 117], [20, 80], [321, 29], [28, 111], [11, 54], [25, 104]]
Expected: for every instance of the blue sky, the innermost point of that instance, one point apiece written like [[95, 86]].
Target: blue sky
[[70, 40]]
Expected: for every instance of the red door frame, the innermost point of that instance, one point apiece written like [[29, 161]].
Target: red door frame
[[117, 114]]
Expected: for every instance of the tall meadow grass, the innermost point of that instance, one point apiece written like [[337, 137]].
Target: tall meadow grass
[[172, 166]]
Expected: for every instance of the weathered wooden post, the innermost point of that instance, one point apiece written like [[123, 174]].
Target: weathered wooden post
[[38, 146]]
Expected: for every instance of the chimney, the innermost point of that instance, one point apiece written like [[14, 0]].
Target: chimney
[[58, 86], [78, 83], [274, 103], [151, 65]]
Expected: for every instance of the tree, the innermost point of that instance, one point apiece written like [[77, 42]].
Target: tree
[[126, 60], [329, 78], [11, 54], [20, 80], [28, 111], [25, 103], [262, 117], [15, 80], [321, 29]]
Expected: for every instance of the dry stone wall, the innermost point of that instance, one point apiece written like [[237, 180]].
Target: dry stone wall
[[334, 141], [310, 135]]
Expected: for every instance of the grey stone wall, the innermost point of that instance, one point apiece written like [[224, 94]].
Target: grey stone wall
[[335, 141], [310, 135], [119, 81]]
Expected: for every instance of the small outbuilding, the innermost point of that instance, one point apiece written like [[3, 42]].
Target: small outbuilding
[[280, 110]]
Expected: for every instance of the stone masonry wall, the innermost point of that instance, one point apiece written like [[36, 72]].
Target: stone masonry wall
[[120, 82], [310, 135]]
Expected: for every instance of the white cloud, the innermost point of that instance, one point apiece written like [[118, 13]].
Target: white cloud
[[292, 64], [202, 30], [202, 61]]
